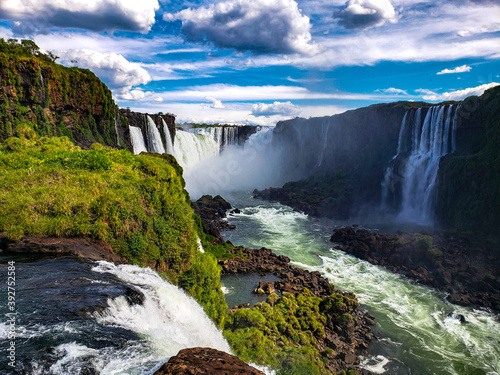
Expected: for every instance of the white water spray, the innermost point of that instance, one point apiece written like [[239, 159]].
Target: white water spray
[[169, 319]]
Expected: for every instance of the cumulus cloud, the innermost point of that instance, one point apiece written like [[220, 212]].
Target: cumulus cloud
[[363, 14], [260, 26], [38, 16], [459, 94], [114, 69], [276, 108], [216, 103], [458, 69]]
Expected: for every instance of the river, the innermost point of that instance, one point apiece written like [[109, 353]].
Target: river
[[418, 331]]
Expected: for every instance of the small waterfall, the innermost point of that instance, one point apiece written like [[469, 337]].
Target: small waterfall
[[168, 138], [325, 125], [410, 181], [116, 130], [190, 149], [155, 143], [168, 318], [137, 139]]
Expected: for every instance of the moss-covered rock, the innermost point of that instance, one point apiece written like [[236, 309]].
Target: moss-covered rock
[[50, 99]]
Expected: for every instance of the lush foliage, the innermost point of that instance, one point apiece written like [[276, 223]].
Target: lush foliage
[[283, 332], [51, 99], [50, 187]]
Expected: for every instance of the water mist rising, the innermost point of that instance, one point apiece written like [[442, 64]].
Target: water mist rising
[[235, 168]]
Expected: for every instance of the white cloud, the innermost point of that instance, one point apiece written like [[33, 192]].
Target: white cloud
[[158, 99], [458, 69], [457, 95], [39, 16], [276, 108], [260, 26], [114, 69], [235, 93], [362, 14], [394, 91], [216, 103]]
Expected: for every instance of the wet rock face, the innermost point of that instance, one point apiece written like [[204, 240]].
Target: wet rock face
[[466, 271], [206, 361]]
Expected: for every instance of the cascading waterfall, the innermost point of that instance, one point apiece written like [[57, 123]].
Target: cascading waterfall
[[137, 139], [168, 317], [190, 149], [410, 181], [222, 135], [168, 138], [116, 130], [155, 143]]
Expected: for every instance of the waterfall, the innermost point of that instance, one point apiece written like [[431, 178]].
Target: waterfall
[[325, 125], [116, 130], [168, 138], [137, 139], [168, 318], [155, 143], [410, 181], [222, 135], [190, 149]]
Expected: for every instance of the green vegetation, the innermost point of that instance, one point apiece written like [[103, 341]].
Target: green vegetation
[[51, 99], [50, 187], [283, 332]]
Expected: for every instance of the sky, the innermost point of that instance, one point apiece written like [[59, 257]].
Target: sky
[[261, 61]]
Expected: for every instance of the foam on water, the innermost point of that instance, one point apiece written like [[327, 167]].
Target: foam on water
[[169, 319], [422, 331]]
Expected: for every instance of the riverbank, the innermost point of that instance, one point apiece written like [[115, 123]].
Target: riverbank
[[303, 318], [466, 271]]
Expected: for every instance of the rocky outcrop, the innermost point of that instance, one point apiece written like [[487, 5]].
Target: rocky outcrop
[[212, 211], [468, 272], [206, 361], [346, 329], [82, 247], [321, 196]]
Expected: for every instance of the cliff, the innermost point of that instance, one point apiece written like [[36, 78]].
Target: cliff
[[52, 100], [469, 179]]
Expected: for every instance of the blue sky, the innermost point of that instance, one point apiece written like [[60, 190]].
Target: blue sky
[[261, 61]]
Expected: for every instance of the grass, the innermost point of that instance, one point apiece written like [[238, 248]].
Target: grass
[[137, 203]]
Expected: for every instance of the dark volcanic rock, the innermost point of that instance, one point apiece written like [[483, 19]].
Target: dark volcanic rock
[[206, 361], [212, 211], [82, 247], [467, 272]]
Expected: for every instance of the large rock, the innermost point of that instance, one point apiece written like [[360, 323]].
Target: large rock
[[212, 211], [206, 361]]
